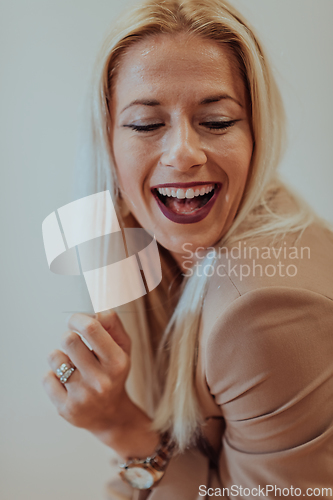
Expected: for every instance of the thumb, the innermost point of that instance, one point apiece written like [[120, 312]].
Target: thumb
[[110, 321]]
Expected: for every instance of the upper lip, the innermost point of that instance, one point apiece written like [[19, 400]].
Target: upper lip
[[183, 185]]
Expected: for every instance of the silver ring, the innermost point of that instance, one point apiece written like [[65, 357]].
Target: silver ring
[[64, 372]]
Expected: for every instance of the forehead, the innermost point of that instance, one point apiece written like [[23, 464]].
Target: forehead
[[175, 64]]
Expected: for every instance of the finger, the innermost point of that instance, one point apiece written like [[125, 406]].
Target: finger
[[105, 348], [113, 325], [82, 357], [55, 390], [56, 358]]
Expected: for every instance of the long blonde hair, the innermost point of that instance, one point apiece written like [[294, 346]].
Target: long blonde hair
[[176, 408]]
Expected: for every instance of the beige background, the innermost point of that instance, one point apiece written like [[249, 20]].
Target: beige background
[[47, 50]]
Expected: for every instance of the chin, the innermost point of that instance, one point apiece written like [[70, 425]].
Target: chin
[[182, 245]]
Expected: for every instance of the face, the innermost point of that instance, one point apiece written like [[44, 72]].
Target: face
[[181, 138]]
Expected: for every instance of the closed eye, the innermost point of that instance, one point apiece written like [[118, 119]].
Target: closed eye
[[211, 125], [145, 128], [218, 125]]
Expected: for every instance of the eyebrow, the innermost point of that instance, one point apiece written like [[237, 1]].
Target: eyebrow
[[144, 102], [220, 97], [207, 100]]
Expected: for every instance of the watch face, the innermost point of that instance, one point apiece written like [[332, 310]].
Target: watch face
[[139, 477]]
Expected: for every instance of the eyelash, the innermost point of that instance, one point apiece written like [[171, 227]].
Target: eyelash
[[218, 125], [145, 128]]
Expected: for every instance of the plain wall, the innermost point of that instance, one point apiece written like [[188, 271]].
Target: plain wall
[[47, 51]]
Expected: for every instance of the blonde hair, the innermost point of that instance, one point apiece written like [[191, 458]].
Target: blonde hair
[[176, 407]]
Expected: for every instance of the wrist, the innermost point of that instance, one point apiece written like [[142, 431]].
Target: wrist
[[146, 473], [129, 433]]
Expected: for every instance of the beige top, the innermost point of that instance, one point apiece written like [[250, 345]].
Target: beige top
[[264, 375]]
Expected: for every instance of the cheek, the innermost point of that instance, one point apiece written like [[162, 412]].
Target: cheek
[[236, 160], [128, 164]]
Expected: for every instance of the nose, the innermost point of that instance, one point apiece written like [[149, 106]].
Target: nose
[[182, 147]]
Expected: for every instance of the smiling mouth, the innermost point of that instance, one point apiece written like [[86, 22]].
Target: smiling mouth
[[187, 204], [181, 201]]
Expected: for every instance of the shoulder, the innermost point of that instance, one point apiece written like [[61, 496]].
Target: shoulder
[[266, 346], [295, 262], [262, 330], [271, 319], [265, 317], [269, 330], [276, 317]]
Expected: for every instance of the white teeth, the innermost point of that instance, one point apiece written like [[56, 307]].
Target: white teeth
[[181, 194], [186, 193], [190, 193]]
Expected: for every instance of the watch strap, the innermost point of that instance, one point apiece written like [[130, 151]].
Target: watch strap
[[157, 462]]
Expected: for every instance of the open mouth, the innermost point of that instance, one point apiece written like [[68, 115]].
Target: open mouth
[[186, 205]]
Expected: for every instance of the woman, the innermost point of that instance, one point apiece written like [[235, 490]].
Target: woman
[[228, 381]]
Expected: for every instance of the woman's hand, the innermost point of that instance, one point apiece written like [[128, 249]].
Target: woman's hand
[[94, 398]]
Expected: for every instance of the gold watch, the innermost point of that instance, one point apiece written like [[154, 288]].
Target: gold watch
[[145, 473]]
